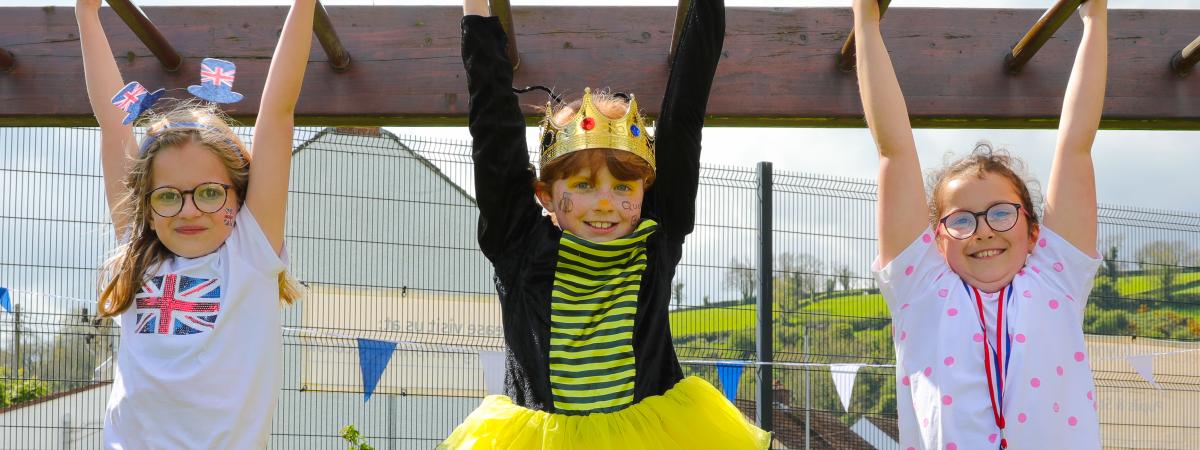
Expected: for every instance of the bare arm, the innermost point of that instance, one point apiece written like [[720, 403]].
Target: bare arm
[[272, 149], [476, 8], [1071, 196], [901, 208], [117, 145]]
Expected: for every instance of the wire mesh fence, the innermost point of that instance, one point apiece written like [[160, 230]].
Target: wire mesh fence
[[382, 229]]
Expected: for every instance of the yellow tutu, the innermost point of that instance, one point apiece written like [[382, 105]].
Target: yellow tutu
[[691, 415]]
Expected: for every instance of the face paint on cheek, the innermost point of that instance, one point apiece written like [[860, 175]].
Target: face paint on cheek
[[566, 205], [229, 217], [630, 206]]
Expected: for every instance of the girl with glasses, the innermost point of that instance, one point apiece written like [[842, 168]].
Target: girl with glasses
[[197, 280], [986, 302]]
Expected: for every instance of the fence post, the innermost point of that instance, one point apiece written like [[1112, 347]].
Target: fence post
[[765, 342], [391, 422], [66, 432], [17, 341]]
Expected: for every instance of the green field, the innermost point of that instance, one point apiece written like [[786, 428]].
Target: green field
[[731, 318], [855, 305], [1132, 285]]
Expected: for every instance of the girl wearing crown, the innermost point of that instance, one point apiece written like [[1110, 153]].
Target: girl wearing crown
[[584, 291]]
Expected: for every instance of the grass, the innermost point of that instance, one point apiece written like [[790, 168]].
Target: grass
[[731, 318], [1132, 285], [857, 305], [712, 320]]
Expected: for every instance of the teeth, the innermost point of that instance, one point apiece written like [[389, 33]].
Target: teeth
[[987, 253], [601, 224]]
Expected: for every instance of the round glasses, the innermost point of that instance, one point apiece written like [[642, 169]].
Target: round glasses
[[1000, 217], [167, 201]]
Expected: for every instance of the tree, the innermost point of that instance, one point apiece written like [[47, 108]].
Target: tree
[[798, 278], [1105, 294], [844, 275], [741, 278], [20, 389], [1109, 269], [1165, 260], [677, 292]]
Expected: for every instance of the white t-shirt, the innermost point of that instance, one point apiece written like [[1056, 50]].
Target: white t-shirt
[[200, 358], [942, 393]]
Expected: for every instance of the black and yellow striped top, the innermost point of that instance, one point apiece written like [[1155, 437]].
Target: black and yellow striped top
[[593, 305]]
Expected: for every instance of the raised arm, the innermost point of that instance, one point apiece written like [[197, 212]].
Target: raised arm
[[503, 176], [902, 203], [476, 8], [1071, 196], [677, 133], [272, 150], [117, 145]]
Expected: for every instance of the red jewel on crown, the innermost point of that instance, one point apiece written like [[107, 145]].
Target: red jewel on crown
[[588, 123]]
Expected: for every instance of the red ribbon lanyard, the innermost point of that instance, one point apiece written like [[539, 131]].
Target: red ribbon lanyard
[[995, 388]]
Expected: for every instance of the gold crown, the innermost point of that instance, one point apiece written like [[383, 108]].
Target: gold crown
[[592, 129]]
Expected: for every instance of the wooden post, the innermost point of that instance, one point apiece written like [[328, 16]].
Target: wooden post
[[1041, 32], [7, 61], [503, 10], [1184, 59], [147, 33], [339, 59], [681, 13], [846, 59]]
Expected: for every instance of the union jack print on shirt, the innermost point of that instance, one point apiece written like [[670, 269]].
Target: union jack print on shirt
[[178, 304]]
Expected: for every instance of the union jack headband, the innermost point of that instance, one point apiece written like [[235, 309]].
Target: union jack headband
[[152, 138]]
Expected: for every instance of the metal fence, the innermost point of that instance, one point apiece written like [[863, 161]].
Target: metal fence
[[381, 228]]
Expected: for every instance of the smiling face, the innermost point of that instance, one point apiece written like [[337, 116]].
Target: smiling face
[[594, 204], [192, 232], [987, 260]]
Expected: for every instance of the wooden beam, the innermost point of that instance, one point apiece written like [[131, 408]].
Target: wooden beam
[[339, 58], [1041, 32], [503, 10], [779, 65], [7, 60], [145, 30], [848, 58], [681, 12], [1184, 59]]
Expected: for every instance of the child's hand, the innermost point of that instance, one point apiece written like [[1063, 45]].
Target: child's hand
[[476, 8], [87, 5], [866, 9], [1093, 10]]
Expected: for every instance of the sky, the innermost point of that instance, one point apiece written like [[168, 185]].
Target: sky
[[1153, 169]]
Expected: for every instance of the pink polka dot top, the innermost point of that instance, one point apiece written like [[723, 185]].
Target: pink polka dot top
[[942, 390]]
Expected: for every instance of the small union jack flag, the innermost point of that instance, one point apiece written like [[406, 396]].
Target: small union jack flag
[[216, 81], [174, 304], [129, 96], [217, 75], [134, 100]]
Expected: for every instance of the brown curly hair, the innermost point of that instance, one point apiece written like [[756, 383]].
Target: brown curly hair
[[983, 159]]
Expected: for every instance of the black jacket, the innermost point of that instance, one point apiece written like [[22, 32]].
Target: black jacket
[[522, 243]]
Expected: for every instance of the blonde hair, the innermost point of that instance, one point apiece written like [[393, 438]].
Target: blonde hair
[[125, 270]]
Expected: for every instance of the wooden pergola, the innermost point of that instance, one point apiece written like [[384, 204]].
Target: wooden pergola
[[400, 65]]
